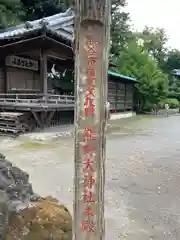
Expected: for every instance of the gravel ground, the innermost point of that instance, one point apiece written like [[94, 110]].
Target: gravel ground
[[142, 174]]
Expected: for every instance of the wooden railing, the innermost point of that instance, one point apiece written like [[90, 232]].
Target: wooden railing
[[23, 98]]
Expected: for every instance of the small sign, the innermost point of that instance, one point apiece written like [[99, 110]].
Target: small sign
[[20, 62]]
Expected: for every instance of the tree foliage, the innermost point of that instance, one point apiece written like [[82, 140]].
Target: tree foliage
[[10, 12], [152, 82], [150, 63], [154, 41], [173, 60], [172, 67], [120, 28], [35, 9]]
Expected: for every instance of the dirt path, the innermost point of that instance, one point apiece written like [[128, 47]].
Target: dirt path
[[142, 175]]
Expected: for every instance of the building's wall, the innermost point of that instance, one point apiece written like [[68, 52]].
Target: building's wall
[[112, 89], [22, 80], [129, 96], [2, 79], [120, 95]]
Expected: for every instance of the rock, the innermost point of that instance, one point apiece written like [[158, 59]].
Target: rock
[[14, 181], [3, 212], [43, 220], [24, 215], [15, 190]]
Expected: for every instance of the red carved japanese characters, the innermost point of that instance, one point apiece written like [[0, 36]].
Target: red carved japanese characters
[[88, 226], [89, 109], [91, 48], [92, 76], [89, 135], [87, 148], [89, 104], [89, 212], [88, 197], [88, 163], [89, 181]]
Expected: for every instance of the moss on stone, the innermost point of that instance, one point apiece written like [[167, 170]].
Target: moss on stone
[[45, 219]]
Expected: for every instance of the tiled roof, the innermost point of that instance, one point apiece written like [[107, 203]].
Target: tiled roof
[[60, 24]]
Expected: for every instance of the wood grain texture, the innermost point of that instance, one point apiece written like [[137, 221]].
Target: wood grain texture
[[94, 9], [92, 22]]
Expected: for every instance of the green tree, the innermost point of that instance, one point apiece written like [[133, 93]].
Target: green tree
[[36, 9], [120, 28], [173, 60], [152, 82], [10, 12], [155, 40]]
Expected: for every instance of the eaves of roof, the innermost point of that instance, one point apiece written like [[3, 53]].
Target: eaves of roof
[[120, 76], [61, 25]]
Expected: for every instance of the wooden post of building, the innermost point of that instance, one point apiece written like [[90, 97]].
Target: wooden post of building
[[92, 28], [125, 92], [43, 72]]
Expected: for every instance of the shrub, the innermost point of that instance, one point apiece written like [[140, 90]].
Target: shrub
[[173, 102]]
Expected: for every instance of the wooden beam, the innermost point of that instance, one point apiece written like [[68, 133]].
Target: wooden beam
[[125, 92], [58, 52], [116, 101], [23, 41], [43, 71], [49, 117], [60, 64], [92, 30], [43, 116], [58, 43], [58, 49], [37, 118], [20, 46], [49, 45], [133, 97], [4, 75]]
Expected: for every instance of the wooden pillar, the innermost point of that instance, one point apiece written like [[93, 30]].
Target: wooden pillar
[[92, 27], [133, 97], [125, 92], [43, 72], [116, 98], [5, 77]]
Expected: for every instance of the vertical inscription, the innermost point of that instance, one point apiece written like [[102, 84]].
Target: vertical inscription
[[89, 221]]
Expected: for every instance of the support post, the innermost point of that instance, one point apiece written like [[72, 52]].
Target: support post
[[125, 92], [37, 118], [5, 77], [49, 117], [92, 30], [43, 72]]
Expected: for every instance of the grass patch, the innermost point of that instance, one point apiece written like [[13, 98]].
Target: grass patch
[[34, 145], [127, 121], [127, 125]]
